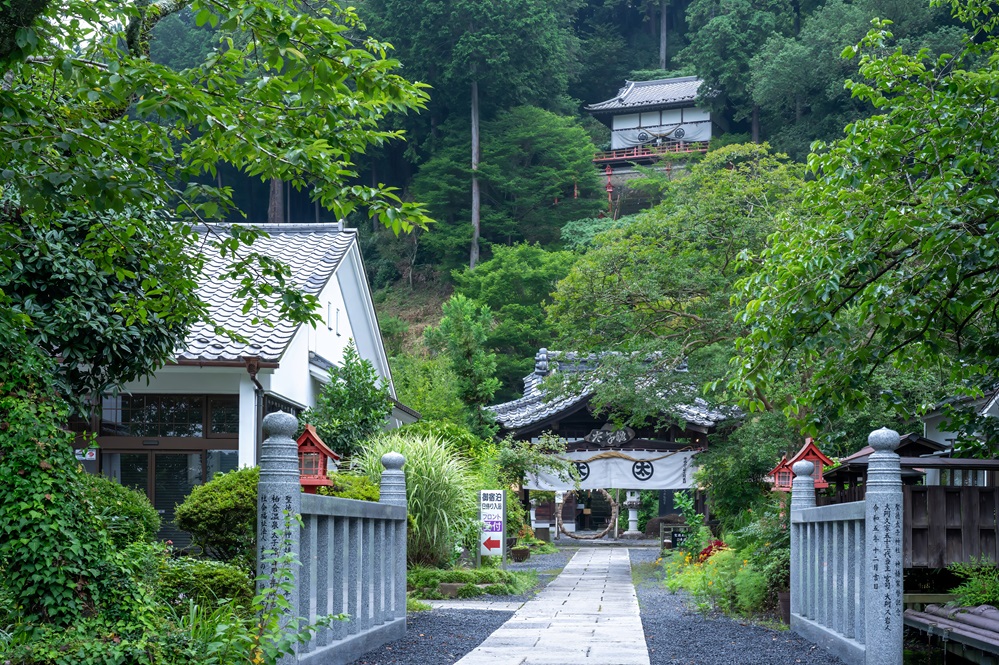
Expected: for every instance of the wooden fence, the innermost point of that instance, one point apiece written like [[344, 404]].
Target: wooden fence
[[944, 525]]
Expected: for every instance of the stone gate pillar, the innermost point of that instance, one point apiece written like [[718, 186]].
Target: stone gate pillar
[[883, 580], [802, 496], [279, 507]]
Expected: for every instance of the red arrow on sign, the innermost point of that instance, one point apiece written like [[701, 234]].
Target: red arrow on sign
[[491, 543]]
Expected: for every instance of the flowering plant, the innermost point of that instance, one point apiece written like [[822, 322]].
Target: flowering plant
[[713, 546]]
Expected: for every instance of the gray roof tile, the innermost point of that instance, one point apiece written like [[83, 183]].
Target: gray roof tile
[[311, 251], [661, 93], [532, 408]]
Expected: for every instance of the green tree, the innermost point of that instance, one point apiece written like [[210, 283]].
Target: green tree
[[659, 289], [352, 406], [461, 338], [515, 285], [513, 51], [536, 174], [893, 261], [101, 144], [724, 36], [429, 385]]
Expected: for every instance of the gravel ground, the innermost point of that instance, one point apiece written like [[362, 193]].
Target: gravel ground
[[677, 634], [437, 637]]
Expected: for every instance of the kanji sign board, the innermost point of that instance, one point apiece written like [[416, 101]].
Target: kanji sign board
[[492, 509]]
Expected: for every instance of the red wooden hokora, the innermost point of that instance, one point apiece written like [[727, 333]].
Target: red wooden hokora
[[314, 460], [783, 475]]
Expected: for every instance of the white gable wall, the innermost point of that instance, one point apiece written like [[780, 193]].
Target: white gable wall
[[695, 122]]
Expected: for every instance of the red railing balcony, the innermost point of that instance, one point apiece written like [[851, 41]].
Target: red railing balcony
[[649, 153]]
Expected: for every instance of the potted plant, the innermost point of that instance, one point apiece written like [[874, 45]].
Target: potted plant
[[520, 553]]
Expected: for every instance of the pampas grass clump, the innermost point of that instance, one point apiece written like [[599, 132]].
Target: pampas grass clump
[[439, 489]]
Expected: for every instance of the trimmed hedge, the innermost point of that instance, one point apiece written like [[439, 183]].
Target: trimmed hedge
[[221, 516], [127, 514], [204, 581]]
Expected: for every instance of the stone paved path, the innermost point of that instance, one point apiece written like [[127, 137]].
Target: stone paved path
[[588, 614]]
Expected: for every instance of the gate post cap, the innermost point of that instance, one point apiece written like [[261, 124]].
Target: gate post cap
[[280, 423], [393, 461], [803, 468], [883, 440]]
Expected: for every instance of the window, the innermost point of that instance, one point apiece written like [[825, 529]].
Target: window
[[184, 416], [308, 464]]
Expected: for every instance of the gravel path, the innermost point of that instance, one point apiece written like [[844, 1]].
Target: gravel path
[[437, 637], [676, 634]]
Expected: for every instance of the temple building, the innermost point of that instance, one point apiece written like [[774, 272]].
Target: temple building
[[648, 119]]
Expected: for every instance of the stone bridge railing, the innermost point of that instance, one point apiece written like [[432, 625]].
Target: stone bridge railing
[[846, 563], [352, 554]]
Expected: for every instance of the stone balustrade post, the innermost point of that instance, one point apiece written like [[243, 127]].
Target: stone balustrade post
[[279, 507], [802, 496], [393, 492], [883, 579]]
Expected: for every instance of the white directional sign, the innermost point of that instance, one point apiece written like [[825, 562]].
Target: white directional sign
[[492, 508]]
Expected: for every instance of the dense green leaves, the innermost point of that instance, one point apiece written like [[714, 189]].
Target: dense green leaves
[[892, 260], [352, 406], [659, 288]]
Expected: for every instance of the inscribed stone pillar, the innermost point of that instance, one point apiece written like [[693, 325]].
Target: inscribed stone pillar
[[802, 496], [279, 505], [883, 583]]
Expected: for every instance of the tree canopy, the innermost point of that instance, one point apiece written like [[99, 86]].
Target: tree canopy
[[891, 259], [107, 156]]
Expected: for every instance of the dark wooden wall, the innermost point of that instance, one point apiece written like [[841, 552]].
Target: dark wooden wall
[[944, 525]]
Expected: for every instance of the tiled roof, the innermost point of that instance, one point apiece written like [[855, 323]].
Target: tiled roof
[[532, 409], [311, 251], [661, 93]]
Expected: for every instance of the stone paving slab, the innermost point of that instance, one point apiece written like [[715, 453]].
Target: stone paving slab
[[588, 614]]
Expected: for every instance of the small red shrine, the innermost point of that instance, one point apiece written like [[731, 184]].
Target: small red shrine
[[783, 474], [313, 461]]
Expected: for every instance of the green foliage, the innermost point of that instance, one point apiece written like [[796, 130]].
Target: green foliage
[[394, 332], [892, 264], [979, 585], [697, 534], [221, 516], [516, 285], [425, 581], [579, 235], [429, 386], [461, 338], [127, 514], [661, 287], [352, 406], [457, 437], [438, 492], [733, 469], [536, 174], [350, 486], [96, 309], [57, 561], [414, 605], [518, 458], [202, 581]]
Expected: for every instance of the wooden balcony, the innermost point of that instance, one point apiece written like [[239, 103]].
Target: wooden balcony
[[649, 153]]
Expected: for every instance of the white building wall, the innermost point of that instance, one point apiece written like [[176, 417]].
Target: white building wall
[[695, 123]]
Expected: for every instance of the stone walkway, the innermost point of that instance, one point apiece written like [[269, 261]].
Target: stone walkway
[[588, 614]]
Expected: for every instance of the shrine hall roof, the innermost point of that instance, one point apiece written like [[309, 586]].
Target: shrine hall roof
[[311, 251], [640, 95], [533, 409]]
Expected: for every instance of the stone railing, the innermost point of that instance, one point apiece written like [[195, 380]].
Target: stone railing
[[846, 563], [352, 554]]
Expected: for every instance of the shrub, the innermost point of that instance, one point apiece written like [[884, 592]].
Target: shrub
[[351, 486], [437, 492], [127, 514], [424, 581], [980, 585], [221, 516], [55, 556], [204, 581], [712, 548]]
